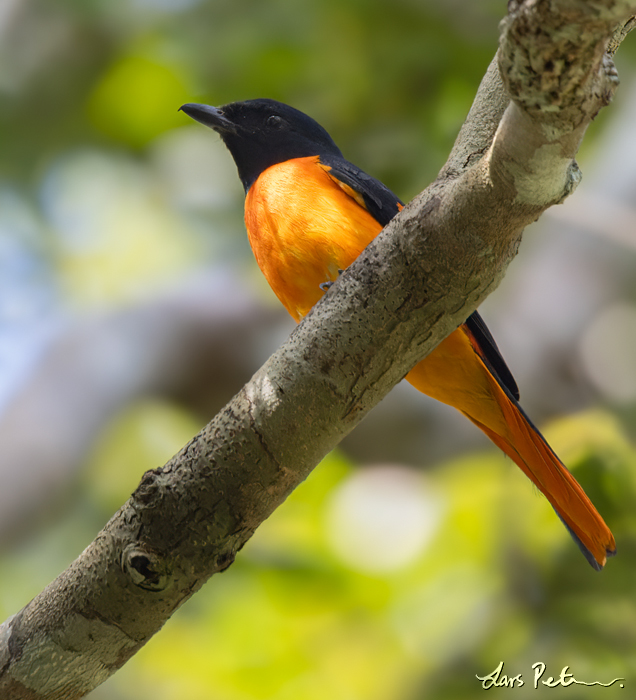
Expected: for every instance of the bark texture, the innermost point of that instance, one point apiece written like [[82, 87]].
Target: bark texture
[[425, 273]]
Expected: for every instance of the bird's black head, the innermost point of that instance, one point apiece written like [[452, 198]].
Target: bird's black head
[[261, 133]]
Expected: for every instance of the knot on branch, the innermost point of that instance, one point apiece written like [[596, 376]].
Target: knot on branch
[[150, 487], [146, 569], [225, 560]]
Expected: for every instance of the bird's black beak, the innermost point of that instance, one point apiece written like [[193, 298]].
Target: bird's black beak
[[209, 116]]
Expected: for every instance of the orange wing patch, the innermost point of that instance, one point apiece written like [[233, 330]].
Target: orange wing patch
[[344, 187]]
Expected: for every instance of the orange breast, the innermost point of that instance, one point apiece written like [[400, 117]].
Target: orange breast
[[303, 228]]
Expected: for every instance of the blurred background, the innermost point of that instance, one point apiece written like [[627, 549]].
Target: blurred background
[[416, 556]]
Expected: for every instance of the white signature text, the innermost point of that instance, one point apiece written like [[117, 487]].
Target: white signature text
[[499, 679]]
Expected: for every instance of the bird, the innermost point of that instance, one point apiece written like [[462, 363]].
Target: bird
[[309, 213]]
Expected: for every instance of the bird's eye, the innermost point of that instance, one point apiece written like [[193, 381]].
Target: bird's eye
[[275, 122]]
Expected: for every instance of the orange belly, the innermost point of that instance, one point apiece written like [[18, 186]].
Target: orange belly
[[303, 228]]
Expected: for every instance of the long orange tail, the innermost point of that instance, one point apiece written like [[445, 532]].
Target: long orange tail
[[456, 374], [536, 459]]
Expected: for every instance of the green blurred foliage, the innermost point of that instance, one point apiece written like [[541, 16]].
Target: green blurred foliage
[[134, 101], [88, 122]]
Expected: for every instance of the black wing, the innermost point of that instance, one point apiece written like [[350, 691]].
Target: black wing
[[378, 200], [496, 364]]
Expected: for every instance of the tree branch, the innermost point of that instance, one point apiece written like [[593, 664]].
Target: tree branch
[[425, 273]]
